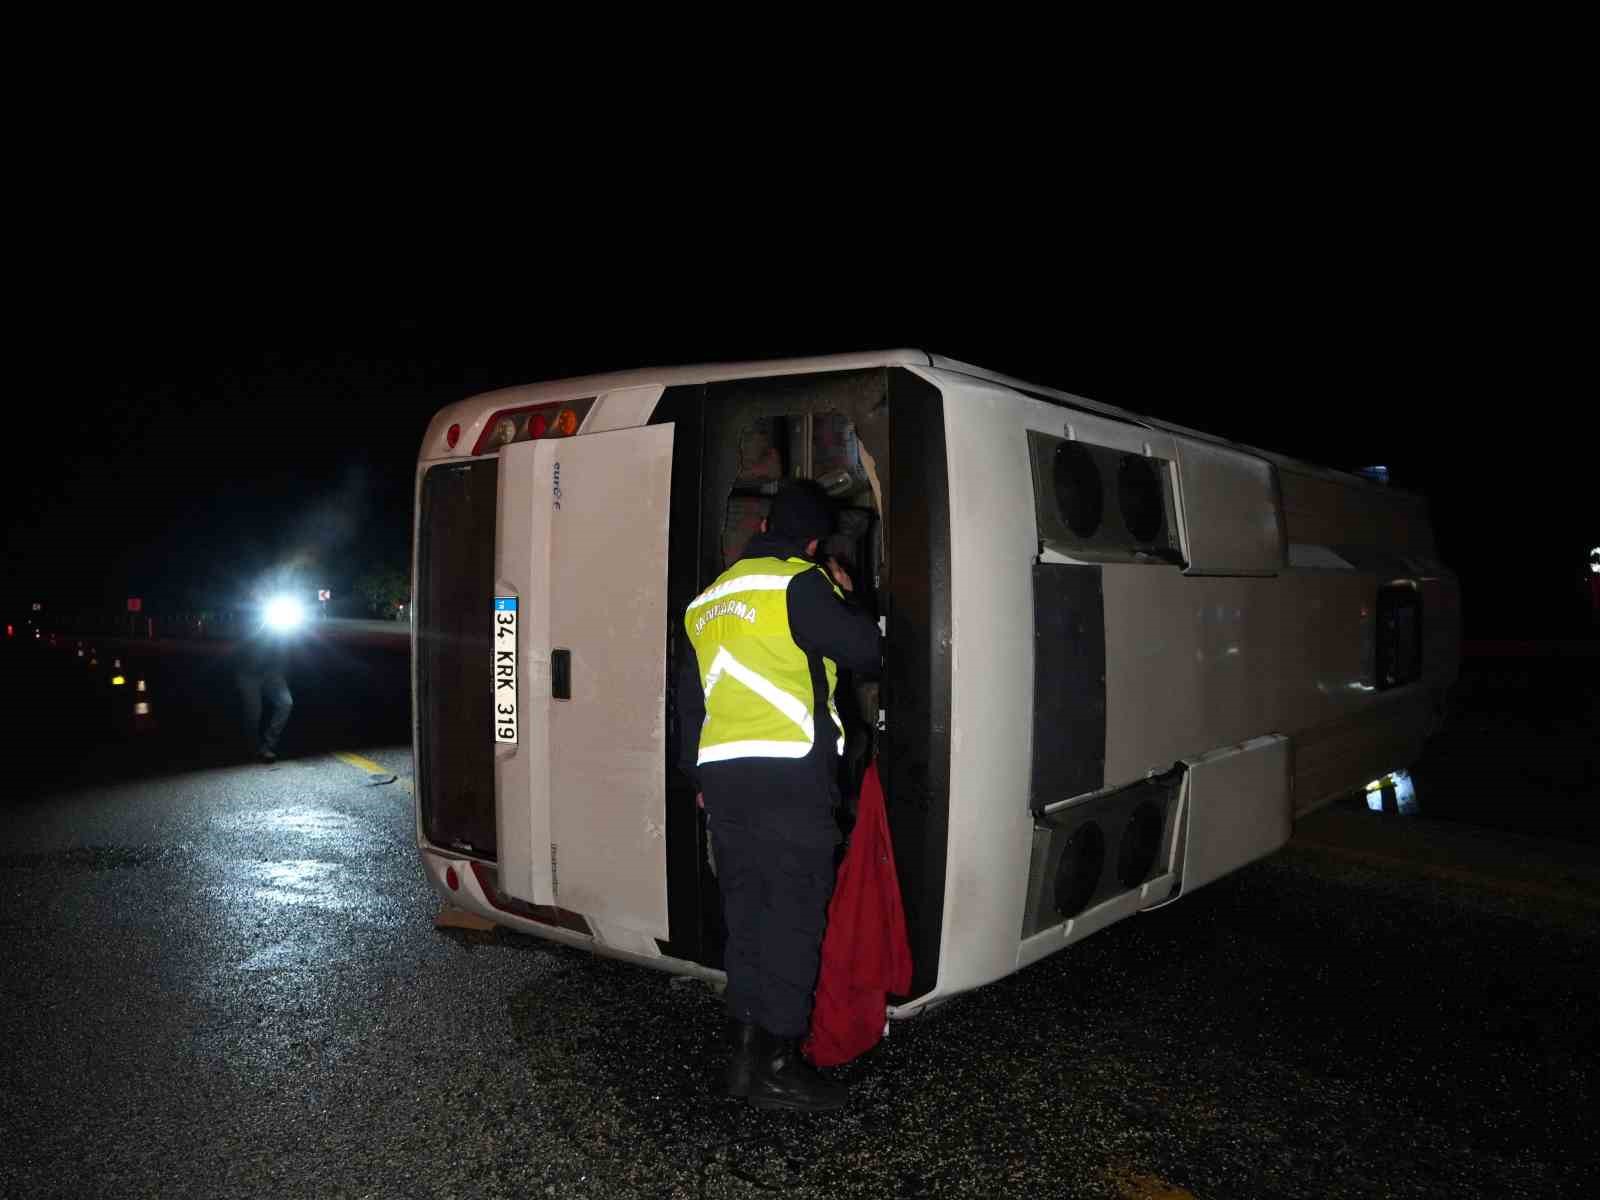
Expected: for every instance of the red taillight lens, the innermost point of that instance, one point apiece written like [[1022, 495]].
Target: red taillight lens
[[452, 436], [451, 879], [535, 421]]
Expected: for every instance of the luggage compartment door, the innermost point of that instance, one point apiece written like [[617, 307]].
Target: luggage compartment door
[[589, 775]]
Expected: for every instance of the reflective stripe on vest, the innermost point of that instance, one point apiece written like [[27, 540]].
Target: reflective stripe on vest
[[757, 681]]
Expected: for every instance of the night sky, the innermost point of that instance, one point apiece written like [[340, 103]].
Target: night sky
[[177, 459]]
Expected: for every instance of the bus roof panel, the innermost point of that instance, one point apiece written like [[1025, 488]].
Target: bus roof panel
[[591, 385]]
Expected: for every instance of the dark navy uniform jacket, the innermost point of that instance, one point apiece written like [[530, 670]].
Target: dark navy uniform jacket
[[791, 799]]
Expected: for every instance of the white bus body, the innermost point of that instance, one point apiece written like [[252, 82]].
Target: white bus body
[[1121, 656]]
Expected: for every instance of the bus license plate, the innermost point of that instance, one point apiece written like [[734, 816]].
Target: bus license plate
[[505, 669]]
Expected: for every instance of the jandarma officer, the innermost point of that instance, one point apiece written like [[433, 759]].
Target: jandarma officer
[[762, 740]]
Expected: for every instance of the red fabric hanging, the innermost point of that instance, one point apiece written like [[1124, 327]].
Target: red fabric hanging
[[865, 954]]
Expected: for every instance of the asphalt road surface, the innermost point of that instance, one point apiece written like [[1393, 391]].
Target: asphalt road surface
[[223, 979]]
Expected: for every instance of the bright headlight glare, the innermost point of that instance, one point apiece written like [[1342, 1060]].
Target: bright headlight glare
[[284, 613]]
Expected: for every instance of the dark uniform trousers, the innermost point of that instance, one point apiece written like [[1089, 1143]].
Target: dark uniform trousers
[[254, 686], [773, 834]]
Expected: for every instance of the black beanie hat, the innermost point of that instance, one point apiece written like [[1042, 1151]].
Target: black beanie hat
[[801, 511]]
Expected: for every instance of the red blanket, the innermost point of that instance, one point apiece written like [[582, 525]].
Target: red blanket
[[865, 955]]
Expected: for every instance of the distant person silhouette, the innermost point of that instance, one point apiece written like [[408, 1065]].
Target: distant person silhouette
[[261, 671]]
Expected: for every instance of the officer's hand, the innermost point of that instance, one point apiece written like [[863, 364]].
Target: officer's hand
[[840, 575], [699, 799]]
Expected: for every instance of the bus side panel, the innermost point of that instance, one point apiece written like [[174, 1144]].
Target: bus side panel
[[1198, 663], [1194, 664], [993, 542], [915, 760]]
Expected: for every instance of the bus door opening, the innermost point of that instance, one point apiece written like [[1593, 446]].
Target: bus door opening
[[823, 447]]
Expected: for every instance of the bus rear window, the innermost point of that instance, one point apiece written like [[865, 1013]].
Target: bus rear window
[[455, 589]]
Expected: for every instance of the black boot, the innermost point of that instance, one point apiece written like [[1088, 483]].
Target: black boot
[[783, 1079], [749, 1043]]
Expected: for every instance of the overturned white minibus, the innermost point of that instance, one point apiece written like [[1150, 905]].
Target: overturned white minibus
[[1120, 656]]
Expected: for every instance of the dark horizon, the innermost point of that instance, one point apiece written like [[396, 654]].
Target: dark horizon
[[175, 475]]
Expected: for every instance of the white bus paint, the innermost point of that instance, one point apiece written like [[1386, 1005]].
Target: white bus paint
[[1248, 666]]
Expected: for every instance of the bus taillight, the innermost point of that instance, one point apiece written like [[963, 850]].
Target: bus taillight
[[502, 433], [509, 425]]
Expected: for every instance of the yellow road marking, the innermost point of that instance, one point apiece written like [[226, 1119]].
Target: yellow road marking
[[1513, 887], [1140, 1185], [370, 767], [362, 764]]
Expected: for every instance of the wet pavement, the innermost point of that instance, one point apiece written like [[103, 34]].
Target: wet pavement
[[223, 979]]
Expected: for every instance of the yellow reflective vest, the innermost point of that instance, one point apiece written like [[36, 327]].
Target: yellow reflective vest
[[757, 681]]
